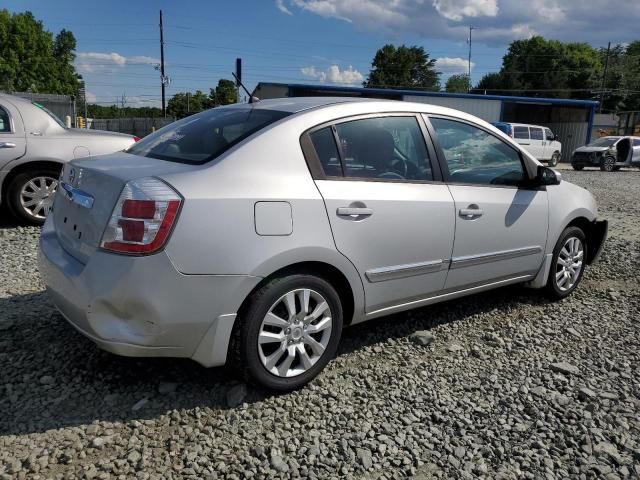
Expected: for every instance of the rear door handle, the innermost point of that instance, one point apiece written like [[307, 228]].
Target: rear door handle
[[354, 211], [471, 212], [7, 145]]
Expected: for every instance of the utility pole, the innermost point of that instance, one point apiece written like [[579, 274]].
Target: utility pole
[[604, 76], [162, 77], [469, 71]]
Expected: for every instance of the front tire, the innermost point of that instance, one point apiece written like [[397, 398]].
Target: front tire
[[555, 158], [30, 194], [567, 264], [289, 331], [607, 164]]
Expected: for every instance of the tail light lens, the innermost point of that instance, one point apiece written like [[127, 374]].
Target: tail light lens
[[143, 217], [136, 139]]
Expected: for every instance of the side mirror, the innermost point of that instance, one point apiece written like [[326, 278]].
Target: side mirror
[[548, 176]]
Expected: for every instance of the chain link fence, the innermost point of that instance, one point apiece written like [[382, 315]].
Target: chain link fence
[[139, 127], [61, 105]]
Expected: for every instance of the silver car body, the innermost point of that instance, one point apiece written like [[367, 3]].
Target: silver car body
[[591, 155], [35, 136], [257, 210]]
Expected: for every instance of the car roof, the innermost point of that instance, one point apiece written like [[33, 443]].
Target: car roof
[[297, 104], [526, 125]]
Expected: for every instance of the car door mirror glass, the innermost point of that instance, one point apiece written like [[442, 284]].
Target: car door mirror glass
[[548, 176]]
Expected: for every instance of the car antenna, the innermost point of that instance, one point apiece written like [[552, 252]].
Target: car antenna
[[251, 97]]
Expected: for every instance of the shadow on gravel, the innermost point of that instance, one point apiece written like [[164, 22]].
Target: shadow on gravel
[[52, 377], [6, 219]]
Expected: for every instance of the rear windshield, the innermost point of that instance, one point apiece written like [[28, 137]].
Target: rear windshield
[[53, 116], [205, 136]]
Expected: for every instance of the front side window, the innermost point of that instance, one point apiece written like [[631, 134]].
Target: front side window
[[636, 142], [390, 148], [475, 156], [549, 134], [205, 136], [536, 133], [521, 133], [5, 124]]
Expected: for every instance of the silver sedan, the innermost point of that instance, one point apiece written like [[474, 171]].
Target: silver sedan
[[34, 144], [252, 234]]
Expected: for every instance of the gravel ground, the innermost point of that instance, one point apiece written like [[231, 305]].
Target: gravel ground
[[499, 385]]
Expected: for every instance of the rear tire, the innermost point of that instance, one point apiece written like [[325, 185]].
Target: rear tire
[[281, 350], [607, 164], [30, 194], [567, 264], [578, 167], [555, 158]]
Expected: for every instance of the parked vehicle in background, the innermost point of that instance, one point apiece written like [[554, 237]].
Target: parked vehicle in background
[[539, 141], [251, 234], [609, 153], [34, 144]]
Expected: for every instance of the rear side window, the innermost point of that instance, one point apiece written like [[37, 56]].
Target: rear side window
[[390, 148], [536, 134], [5, 124], [325, 146], [205, 136], [521, 133]]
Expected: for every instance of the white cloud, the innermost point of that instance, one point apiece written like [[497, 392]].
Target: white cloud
[[450, 66], [459, 9], [497, 22], [91, 97], [282, 7], [91, 62], [333, 74]]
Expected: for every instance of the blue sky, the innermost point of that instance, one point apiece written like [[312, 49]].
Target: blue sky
[[310, 41]]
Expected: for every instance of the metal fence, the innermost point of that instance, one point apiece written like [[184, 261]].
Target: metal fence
[[61, 105], [133, 126]]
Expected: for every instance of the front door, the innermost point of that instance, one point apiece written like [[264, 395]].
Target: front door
[[12, 138], [389, 215], [501, 226]]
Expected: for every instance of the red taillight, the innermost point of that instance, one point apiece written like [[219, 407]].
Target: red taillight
[[142, 218], [136, 139]]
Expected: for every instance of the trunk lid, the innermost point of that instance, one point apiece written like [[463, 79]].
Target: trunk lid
[[80, 226]]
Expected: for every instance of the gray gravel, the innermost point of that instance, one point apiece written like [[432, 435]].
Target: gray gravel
[[500, 385]]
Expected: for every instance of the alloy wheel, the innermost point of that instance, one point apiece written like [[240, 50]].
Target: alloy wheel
[[36, 196], [569, 263], [294, 333]]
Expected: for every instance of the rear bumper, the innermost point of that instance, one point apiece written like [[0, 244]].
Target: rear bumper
[[142, 306], [597, 237]]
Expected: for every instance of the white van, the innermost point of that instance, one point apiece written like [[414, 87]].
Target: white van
[[539, 141]]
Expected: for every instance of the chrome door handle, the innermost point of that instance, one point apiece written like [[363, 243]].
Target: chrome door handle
[[354, 212], [7, 145], [471, 212]]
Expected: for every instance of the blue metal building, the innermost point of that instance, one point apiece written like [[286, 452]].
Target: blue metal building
[[571, 120]]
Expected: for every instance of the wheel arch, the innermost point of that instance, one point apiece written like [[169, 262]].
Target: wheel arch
[[324, 270], [25, 167], [592, 234]]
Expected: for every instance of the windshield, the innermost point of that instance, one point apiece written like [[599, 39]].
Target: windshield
[[603, 142], [50, 113], [205, 136]]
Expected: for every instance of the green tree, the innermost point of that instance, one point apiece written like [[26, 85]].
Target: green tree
[[30, 58], [622, 85], [549, 68], [225, 93], [184, 104], [457, 83], [403, 67]]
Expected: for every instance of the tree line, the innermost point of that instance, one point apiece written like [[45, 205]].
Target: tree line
[[535, 67], [33, 59]]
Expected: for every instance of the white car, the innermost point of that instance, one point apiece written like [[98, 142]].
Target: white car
[[251, 234], [539, 141], [34, 145]]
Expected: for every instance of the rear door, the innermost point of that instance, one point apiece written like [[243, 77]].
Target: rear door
[[13, 142], [501, 224], [390, 214]]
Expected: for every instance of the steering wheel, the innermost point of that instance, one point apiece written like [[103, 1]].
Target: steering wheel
[[391, 175], [404, 168]]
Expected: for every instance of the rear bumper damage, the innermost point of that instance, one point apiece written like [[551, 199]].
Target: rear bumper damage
[[142, 306]]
